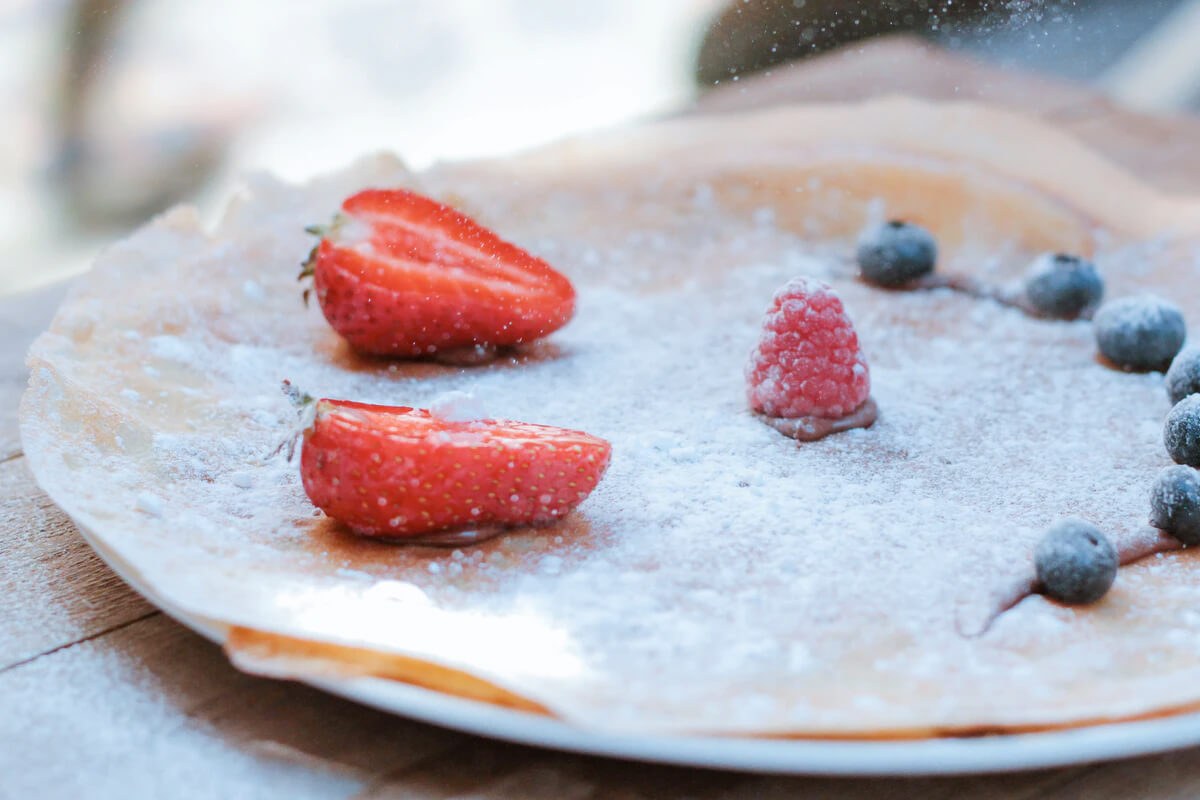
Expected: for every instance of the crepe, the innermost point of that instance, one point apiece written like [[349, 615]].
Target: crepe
[[721, 579]]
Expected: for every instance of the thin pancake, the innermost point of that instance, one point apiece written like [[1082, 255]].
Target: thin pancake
[[721, 578]]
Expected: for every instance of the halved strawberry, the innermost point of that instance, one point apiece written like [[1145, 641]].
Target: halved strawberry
[[397, 471], [401, 274]]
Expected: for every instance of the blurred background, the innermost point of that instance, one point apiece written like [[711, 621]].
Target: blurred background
[[112, 110]]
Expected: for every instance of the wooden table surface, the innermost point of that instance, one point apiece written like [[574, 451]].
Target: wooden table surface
[[103, 696]]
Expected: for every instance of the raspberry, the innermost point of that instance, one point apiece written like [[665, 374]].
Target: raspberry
[[807, 362]]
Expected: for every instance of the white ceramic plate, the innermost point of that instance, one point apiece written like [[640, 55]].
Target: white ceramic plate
[[946, 756]]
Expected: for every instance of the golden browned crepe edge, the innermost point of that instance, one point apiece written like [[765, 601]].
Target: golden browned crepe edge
[[278, 656]]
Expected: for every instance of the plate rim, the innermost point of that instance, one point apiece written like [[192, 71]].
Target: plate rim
[[942, 756]]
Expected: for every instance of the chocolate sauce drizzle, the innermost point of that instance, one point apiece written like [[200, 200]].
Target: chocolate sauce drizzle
[[454, 537], [810, 429], [973, 287]]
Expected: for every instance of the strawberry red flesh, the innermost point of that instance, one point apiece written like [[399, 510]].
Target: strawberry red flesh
[[399, 472], [403, 275]]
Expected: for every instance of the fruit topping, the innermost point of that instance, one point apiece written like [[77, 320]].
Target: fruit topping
[[1181, 434], [402, 275], [807, 362], [402, 472], [1175, 503], [1183, 378], [1062, 286], [1075, 562], [1140, 333], [895, 253]]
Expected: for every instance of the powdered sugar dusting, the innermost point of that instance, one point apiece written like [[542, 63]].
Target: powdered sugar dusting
[[1144, 310], [720, 577], [458, 406]]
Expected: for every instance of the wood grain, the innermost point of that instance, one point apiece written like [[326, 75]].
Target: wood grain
[[106, 697], [57, 590], [151, 707]]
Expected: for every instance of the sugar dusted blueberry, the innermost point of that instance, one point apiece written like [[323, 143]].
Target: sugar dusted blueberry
[[1181, 434], [895, 253], [1183, 378], [1140, 333], [1075, 562], [1062, 285], [1175, 503]]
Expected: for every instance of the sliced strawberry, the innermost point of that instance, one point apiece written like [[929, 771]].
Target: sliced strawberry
[[401, 274], [397, 471]]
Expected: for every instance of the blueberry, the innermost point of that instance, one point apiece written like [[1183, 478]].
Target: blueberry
[[1075, 562], [895, 253], [1183, 378], [1175, 503], [1063, 286], [1181, 434], [1139, 333]]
